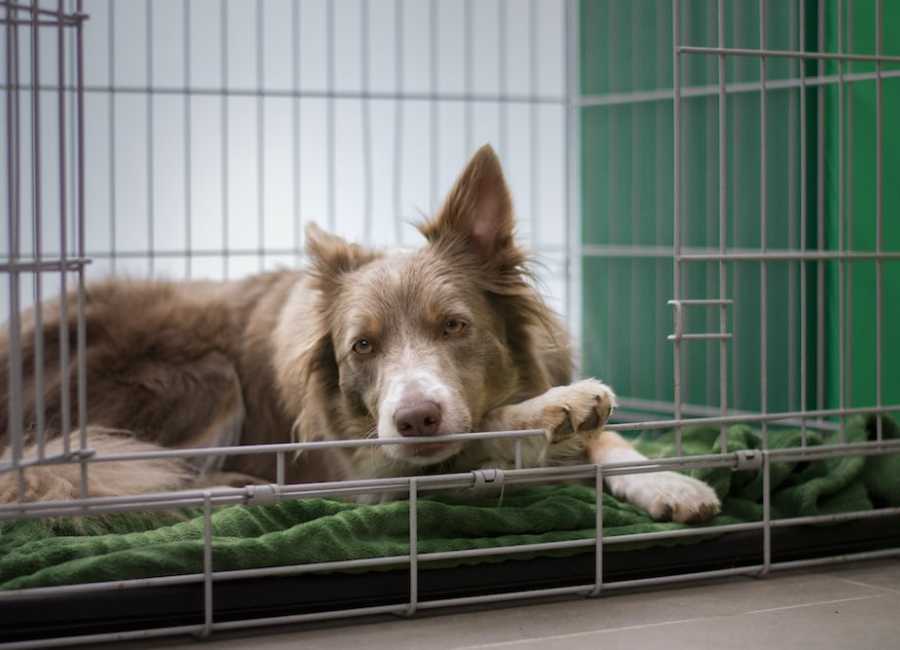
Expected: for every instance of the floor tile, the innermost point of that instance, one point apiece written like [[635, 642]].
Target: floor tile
[[883, 574], [867, 622], [722, 613]]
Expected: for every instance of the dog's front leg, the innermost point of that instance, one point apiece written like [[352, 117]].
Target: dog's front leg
[[665, 495], [572, 418]]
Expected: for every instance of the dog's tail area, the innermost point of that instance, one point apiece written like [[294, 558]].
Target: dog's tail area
[[115, 478]]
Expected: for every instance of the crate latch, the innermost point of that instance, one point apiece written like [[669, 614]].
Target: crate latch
[[487, 478], [262, 494]]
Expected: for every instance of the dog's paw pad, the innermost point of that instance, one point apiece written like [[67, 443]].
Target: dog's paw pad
[[565, 427], [557, 422], [593, 421]]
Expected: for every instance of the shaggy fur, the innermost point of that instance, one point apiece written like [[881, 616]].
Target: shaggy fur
[[340, 349]]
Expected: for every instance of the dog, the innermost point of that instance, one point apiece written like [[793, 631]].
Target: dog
[[362, 343]]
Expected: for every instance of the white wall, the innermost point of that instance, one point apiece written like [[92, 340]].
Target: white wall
[[216, 136]]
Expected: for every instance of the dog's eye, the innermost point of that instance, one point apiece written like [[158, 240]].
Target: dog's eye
[[453, 326], [363, 346]]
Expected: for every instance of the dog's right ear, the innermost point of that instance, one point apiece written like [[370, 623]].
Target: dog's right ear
[[331, 256]]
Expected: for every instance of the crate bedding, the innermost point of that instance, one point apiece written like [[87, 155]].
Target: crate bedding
[[115, 547]]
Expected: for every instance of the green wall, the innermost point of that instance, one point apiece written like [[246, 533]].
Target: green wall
[[627, 202], [860, 208]]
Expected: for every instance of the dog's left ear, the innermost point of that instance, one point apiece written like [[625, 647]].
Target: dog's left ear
[[477, 213], [331, 256]]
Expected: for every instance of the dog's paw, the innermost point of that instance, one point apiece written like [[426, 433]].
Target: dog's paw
[[581, 407], [668, 496]]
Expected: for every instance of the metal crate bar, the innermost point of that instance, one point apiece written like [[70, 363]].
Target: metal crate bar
[[64, 393], [737, 87], [366, 121], [111, 140], [598, 531], [749, 417], [261, 132], [63, 265], [39, 23], [207, 566], [13, 171], [841, 225], [534, 123], [701, 336], [335, 93], [266, 494], [205, 452], [763, 268], [413, 547], [676, 214], [35, 9], [690, 254], [295, 123], [847, 185], [103, 637], [434, 36], [37, 230], [81, 330], [693, 254], [330, 126], [836, 559], [792, 164], [803, 216], [704, 302], [792, 256], [149, 127], [224, 140], [583, 101], [839, 56], [879, 213], [820, 213]]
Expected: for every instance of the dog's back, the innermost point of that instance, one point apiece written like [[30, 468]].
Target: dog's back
[[167, 364]]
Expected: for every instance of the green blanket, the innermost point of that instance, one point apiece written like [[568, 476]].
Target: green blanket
[[58, 552]]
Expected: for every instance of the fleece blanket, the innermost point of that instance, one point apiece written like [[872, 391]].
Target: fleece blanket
[[114, 547]]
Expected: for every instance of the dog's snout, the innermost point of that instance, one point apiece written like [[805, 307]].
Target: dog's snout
[[421, 418]]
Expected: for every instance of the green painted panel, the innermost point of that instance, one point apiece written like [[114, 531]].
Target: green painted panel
[[627, 202], [860, 208]]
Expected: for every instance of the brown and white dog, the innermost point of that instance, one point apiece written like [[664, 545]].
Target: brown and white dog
[[450, 338]]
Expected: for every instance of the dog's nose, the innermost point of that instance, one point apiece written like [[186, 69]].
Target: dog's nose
[[419, 419]]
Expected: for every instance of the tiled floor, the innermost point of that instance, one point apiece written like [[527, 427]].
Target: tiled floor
[[854, 606]]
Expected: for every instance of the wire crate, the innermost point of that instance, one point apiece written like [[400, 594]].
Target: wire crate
[[131, 132]]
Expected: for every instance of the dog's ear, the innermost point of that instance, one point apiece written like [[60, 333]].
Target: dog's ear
[[306, 371], [477, 213], [331, 256], [317, 384]]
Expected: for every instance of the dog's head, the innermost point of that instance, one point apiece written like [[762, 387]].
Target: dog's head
[[420, 343]]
